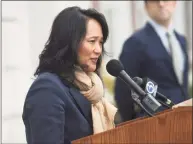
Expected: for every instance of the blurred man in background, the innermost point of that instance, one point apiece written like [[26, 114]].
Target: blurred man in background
[[158, 52]]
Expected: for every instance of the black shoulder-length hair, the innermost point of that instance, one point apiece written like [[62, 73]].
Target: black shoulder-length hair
[[59, 55]]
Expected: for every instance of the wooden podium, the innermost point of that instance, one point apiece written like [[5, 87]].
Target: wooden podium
[[170, 126]]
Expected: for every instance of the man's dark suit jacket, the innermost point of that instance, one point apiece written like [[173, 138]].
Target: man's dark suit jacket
[[55, 113], [144, 55]]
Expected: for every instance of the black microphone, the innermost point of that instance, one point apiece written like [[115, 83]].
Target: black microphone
[[151, 87], [115, 68]]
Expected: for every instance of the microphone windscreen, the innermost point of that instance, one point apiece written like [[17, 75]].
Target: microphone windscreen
[[114, 67]]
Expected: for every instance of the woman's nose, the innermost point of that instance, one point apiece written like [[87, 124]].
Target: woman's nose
[[98, 48]]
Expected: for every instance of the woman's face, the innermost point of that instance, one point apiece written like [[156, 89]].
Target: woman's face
[[91, 46]]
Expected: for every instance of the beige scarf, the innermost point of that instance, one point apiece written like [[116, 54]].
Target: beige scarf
[[103, 112]]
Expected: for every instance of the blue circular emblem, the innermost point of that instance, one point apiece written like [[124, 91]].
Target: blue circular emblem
[[150, 87]]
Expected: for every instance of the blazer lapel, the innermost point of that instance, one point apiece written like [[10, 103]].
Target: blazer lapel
[[162, 50], [82, 103], [185, 53]]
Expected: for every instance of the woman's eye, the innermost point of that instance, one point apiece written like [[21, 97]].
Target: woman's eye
[[92, 41]]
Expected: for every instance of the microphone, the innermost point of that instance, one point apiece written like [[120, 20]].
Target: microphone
[[116, 69], [151, 87]]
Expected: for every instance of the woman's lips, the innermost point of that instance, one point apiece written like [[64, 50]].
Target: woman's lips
[[94, 60]]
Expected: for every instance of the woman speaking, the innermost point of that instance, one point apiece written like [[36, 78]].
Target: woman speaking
[[65, 102]]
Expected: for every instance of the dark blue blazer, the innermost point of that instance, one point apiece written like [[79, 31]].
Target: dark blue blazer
[[55, 112], [144, 55]]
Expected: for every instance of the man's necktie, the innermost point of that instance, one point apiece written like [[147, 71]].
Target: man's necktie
[[177, 56]]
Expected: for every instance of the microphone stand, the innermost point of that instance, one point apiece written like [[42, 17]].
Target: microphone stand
[[164, 98], [135, 97], [164, 104]]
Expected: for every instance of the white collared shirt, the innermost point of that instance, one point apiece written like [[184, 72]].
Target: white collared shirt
[[178, 55], [161, 31]]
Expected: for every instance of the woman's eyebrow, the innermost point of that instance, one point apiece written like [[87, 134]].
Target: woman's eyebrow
[[95, 37]]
